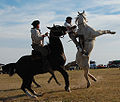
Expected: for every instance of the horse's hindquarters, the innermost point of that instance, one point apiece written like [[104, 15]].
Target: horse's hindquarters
[[82, 61], [89, 46]]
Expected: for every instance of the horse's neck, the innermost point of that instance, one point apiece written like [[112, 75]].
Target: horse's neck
[[88, 32], [56, 44], [82, 29], [82, 26]]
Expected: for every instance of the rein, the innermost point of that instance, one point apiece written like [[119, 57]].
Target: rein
[[82, 22], [56, 36]]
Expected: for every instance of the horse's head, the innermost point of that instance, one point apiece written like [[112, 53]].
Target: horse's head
[[8, 69], [5, 70], [57, 31], [81, 19]]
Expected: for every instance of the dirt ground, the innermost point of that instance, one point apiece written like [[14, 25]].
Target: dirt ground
[[106, 89]]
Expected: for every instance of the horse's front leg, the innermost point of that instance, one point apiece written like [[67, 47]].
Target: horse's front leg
[[66, 78], [86, 77], [106, 32]]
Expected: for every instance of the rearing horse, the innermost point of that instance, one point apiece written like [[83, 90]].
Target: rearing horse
[[89, 38], [27, 68]]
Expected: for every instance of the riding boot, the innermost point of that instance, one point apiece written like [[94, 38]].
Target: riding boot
[[81, 44], [44, 59], [84, 53]]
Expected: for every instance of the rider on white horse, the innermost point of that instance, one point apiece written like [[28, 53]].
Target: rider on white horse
[[71, 30]]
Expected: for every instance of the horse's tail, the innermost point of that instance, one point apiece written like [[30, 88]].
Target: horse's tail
[[9, 69]]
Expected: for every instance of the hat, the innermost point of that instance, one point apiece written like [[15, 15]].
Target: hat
[[68, 18], [35, 23]]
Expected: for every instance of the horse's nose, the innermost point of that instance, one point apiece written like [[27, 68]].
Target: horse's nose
[[1, 70], [65, 32]]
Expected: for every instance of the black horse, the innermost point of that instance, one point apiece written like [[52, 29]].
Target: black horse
[[27, 68]]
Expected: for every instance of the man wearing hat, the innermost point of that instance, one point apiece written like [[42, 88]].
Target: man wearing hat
[[38, 38], [71, 30]]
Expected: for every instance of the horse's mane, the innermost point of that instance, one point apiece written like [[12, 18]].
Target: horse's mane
[[84, 20], [76, 20]]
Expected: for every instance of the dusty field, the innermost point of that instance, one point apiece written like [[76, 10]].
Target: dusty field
[[106, 89]]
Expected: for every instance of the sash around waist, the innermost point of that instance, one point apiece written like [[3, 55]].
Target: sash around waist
[[89, 40], [33, 44]]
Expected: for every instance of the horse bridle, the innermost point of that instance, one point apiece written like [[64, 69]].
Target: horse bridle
[[83, 18], [58, 36]]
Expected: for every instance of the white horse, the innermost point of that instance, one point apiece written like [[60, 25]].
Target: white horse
[[89, 37]]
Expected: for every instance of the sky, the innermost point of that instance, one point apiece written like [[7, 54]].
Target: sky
[[16, 17]]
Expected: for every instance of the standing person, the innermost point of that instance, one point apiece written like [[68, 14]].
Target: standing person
[[72, 34], [38, 38]]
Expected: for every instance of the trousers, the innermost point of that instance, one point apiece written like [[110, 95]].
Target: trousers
[[40, 49]]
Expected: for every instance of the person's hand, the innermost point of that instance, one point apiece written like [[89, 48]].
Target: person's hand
[[73, 27], [46, 34]]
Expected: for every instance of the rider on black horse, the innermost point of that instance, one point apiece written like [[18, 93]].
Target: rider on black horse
[[38, 38]]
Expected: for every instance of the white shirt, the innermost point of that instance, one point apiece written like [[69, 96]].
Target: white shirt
[[36, 36], [67, 25]]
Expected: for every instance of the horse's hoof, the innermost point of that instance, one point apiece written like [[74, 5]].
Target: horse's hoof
[[112, 32], [48, 81], [59, 84], [34, 96], [38, 95], [38, 86], [95, 80], [88, 85], [32, 85], [67, 89]]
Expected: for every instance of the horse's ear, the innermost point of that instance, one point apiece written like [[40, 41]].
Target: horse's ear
[[49, 27], [53, 25], [83, 12], [78, 12]]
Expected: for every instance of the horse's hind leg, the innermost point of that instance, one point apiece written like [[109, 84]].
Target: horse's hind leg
[[92, 77], [36, 83], [86, 77], [27, 85], [33, 92], [50, 79], [53, 76], [29, 82]]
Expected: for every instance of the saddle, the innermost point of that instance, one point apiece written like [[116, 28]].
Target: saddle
[[36, 55]]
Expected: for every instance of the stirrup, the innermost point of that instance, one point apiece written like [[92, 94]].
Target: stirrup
[[84, 53], [79, 48]]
